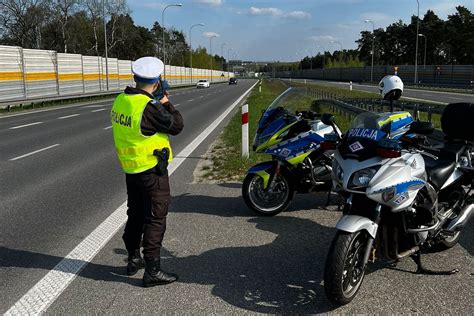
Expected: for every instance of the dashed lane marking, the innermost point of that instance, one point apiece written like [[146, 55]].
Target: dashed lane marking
[[67, 116], [48, 289], [34, 152], [98, 110], [26, 125], [108, 127]]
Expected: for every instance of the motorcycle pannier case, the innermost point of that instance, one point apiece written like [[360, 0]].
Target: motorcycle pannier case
[[457, 121]]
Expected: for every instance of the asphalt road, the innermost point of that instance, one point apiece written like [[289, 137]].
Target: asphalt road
[[229, 260], [60, 178], [413, 94]]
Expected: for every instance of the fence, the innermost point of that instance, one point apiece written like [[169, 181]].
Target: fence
[[32, 74], [457, 76], [351, 107]]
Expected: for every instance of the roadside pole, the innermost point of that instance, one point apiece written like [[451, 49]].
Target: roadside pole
[[245, 130], [350, 85]]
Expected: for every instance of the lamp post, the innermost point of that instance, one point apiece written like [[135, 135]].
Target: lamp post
[[324, 54], [373, 50], [342, 52], [310, 58], [416, 49], [424, 58], [228, 56], [191, 48], [210, 51], [163, 27], [222, 54], [106, 49]]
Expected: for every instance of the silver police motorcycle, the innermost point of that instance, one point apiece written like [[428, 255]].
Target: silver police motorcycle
[[401, 195]]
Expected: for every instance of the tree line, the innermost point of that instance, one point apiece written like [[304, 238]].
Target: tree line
[[77, 26], [449, 41]]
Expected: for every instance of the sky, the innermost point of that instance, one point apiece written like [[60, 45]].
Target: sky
[[284, 30]]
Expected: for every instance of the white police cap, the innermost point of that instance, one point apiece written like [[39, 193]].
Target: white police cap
[[147, 69]]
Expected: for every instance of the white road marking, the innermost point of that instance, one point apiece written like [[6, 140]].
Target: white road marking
[[95, 106], [177, 104], [67, 116], [98, 110], [201, 96], [48, 289], [190, 100], [431, 101], [108, 127], [34, 152], [453, 98], [30, 124]]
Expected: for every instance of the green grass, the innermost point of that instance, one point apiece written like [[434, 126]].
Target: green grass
[[339, 92], [226, 156]]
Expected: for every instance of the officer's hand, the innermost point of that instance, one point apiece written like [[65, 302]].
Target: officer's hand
[[164, 99]]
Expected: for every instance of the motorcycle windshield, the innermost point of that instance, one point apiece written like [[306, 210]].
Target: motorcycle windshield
[[367, 129], [277, 116]]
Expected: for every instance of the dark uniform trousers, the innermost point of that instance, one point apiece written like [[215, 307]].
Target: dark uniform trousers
[[148, 201]]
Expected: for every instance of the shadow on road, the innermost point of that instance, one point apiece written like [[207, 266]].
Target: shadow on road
[[283, 276]]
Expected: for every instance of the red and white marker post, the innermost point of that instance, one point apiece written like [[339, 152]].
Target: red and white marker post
[[245, 130]]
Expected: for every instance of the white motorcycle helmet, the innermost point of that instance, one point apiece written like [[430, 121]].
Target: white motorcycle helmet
[[391, 87]]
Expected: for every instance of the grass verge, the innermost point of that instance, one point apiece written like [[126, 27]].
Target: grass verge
[[225, 155]]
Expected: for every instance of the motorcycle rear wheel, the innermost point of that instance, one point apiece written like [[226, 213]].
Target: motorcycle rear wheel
[[344, 270], [263, 202]]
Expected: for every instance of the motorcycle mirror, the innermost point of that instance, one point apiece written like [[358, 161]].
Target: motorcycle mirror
[[327, 119]]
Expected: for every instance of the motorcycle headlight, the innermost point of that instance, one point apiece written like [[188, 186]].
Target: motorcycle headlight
[[361, 178]]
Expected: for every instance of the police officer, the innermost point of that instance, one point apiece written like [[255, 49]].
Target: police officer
[[141, 126]]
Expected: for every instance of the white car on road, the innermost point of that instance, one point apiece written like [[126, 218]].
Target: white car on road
[[203, 83]]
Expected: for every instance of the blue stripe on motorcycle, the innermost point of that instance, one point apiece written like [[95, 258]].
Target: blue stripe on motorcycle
[[403, 187], [260, 167]]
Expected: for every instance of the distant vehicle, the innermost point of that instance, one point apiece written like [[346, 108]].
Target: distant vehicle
[[233, 81], [203, 83]]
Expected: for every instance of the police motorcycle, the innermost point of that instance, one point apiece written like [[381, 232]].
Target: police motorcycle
[[401, 194], [298, 162]]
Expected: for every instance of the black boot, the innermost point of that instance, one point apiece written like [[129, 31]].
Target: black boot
[[135, 262], [155, 276]]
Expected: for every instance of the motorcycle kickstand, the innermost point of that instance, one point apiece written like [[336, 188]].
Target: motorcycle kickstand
[[328, 199], [422, 270]]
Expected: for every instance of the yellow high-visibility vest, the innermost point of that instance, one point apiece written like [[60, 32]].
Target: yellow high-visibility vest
[[135, 150]]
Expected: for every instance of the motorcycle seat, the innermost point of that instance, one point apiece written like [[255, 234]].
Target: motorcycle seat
[[438, 171], [450, 151]]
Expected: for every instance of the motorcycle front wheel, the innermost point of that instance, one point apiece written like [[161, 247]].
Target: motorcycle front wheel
[[345, 269], [266, 202]]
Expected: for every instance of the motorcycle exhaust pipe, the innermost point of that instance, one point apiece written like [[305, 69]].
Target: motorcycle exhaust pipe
[[459, 222]]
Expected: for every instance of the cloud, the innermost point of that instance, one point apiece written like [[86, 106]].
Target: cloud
[[214, 3], [322, 38], [210, 34], [376, 17], [278, 13]]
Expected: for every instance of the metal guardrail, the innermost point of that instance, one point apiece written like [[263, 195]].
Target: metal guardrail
[[356, 106]]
